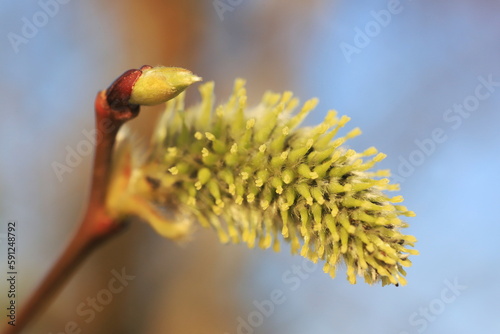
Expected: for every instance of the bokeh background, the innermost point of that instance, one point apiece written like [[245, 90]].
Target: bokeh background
[[399, 69]]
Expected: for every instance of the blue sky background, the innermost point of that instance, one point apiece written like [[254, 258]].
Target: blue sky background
[[397, 89]]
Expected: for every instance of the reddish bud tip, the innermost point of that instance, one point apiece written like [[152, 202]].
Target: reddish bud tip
[[118, 94]]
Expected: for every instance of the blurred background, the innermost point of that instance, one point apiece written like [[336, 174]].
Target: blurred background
[[421, 79]]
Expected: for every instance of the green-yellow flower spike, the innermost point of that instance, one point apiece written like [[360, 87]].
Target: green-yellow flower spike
[[254, 177], [159, 84]]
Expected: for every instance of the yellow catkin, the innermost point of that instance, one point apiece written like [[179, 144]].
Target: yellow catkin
[[256, 179]]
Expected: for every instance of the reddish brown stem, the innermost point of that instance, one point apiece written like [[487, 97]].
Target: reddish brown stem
[[96, 225]]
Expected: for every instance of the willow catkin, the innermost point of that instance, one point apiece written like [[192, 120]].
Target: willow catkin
[[255, 177]]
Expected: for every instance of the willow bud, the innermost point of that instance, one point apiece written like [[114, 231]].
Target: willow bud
[[149, 86], [159, 84]]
